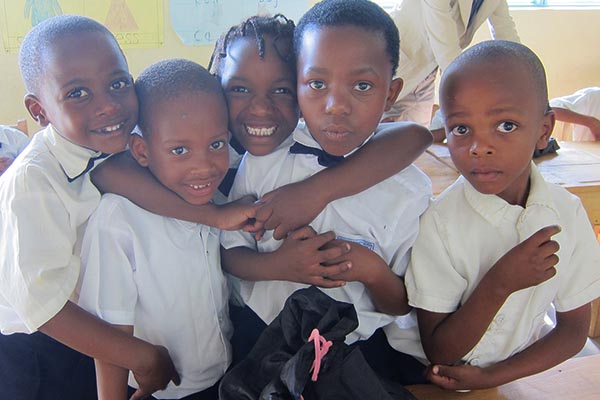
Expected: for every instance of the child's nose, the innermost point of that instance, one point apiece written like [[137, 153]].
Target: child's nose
[[106, 104], [481, 147], [337, 102], [261, 105]]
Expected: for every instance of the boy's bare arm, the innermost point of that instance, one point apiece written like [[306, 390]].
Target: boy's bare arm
[[122, 175], [151, 365], [566, 115], [394, 148], [298, 259], [446, 338], [112, 379], [563, 342], [386, 289]]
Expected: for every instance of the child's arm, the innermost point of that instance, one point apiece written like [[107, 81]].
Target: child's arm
[[564, 341], [386, 289], [112, 379], [395, 147], [298, 259], [566, 115], [151, 365], [446, 338], [122, 175]]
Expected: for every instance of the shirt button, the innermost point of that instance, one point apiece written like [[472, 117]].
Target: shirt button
[[500, 318], [474, 362]]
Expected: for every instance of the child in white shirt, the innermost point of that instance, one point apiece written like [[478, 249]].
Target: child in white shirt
[[12, 143]]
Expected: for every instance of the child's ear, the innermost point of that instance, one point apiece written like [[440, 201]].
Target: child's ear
[[546, 128], [393, 92], [36, 110], [139, 149]]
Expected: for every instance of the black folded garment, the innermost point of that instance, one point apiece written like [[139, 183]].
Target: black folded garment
[[280, 364], [551, 147]]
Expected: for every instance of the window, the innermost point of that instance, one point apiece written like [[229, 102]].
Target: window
[[552, 3]]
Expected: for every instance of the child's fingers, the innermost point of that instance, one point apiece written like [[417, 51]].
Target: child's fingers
[[333, 252], [543, 235], [326, 282], [307, 232], [139, 395]]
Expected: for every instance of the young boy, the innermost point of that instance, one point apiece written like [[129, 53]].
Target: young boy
[[12, 143], [80, 89], [160, 278], [501, 245], [347, 52]]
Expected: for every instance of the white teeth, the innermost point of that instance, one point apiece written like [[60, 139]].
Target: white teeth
[[260, 131], [111, 128], [198, 187]]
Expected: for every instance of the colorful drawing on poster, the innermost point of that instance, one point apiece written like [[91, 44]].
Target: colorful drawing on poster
[[135, 23], [201, 22]]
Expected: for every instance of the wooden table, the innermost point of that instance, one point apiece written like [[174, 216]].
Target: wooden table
[[575, 379], [576, 166]]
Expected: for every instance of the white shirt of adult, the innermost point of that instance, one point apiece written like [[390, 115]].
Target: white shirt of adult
[[585, 101], [465, 232], [44, 204], [12, 141], [162, 276], [384, 218], [434, 32]]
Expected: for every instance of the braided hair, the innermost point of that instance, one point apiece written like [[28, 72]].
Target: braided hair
[[280, 28]]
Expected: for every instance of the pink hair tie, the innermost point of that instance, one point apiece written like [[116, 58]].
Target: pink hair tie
[[321, 348]]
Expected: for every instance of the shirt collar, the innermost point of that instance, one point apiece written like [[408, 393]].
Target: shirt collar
[[494, 209], [75, 160]]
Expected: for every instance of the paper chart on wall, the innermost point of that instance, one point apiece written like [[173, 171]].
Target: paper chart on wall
[[135, 23], [201, 22]]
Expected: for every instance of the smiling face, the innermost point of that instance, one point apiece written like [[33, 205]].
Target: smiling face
[[261, 95], [87, 93], [344, 85], [186, 148], [494, 117]]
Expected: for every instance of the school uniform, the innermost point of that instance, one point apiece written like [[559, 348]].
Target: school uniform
[[585, 101], [46, 197], [162, 276], [432, 34], [383, 218], [12, 141], [465, 232]]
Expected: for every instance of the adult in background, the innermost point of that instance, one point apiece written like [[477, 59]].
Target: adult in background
[[432, 34]]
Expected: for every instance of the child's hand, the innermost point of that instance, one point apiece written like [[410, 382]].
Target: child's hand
[[286, 208], [159, 372], [305, 254], [5, 162], [459, 377], [364, 262], [238, 215], [529, 263]]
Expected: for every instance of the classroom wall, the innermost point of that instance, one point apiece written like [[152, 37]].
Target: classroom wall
[[564, 39]]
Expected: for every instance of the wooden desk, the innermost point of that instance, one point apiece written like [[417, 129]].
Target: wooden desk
[[576, 166], [575, 379]]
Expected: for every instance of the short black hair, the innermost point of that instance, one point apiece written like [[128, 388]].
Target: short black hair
[[360, 13], [40, 39], [169, 79], [508, 53], [278, 27]]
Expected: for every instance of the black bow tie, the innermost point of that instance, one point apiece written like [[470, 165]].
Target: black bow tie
[[89, 165], [323, 158]]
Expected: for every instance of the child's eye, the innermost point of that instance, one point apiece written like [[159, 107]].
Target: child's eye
[[77, 93], [239, 89], [217, 145], [459, 130], [120, 84], [317, 85], [283, 90], [178, 151], [507, 127], [363, 86]]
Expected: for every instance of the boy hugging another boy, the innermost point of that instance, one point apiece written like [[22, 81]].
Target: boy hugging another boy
[[347, 52], [160, 278], [501, 245]]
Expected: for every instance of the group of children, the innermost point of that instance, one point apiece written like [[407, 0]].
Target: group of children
[[339, 206]]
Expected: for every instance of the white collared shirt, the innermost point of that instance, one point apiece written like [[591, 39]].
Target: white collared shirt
[[12, 141], [42, 217], [163, 276], [585, 101], [384, 218], [465, 232]]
